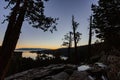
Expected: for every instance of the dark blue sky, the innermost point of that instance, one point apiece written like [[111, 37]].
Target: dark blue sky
[[63, 9]]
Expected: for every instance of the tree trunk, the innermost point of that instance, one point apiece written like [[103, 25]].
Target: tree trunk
[[5, 48], [10, 41], [76, 61], [90, 38], [69, 47]]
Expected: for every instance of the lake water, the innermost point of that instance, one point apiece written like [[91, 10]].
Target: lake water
[[33, 55], [28, 54]]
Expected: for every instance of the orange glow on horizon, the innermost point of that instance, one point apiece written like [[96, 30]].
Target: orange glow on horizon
[[44, 46], [47, 47]]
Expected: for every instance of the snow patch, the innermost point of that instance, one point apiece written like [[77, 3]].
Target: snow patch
[[83, 67], [63, 58], [103, 78], [91, 78], [101, 65]]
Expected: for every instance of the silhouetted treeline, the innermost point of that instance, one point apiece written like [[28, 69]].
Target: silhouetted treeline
[[106, 22]]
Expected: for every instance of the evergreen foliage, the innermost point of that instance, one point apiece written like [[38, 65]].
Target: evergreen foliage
[[106, 21], [21, 10], [34, 13]]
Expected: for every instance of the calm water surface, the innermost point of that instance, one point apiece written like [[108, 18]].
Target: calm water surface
[[28, 54]]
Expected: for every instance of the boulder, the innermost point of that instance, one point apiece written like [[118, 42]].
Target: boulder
[[51, 72], [77, 75], [61, 76]]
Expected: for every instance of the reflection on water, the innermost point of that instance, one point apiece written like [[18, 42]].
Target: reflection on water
[[45, 56], [42, 56], [34, 55], [28, 54]]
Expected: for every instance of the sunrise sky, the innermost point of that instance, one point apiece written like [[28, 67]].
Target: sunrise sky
[[63, 9]]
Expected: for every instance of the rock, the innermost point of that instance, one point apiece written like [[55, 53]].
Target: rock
[[96, 71], [56, 71], [70, 66], [113, 72], [79, 76], [83, 67], [61, 76], [69, 71], [113, 59], [118, 75], [114, 67], [113, 64]]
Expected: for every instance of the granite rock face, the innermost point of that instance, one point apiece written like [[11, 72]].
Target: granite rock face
[[113, 64], [79, 76], [52, 72], [97, 71]]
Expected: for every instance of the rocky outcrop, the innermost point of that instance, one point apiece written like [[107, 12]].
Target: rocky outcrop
[[96, 71], [114, 67], [52, 72], [61, 72], [79, 76], [113, 64]]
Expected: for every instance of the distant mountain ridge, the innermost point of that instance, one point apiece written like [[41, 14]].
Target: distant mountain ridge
[[30, 49]]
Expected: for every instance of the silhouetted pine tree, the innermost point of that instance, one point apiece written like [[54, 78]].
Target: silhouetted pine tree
[[72, 36], [106, 21], [90, 37], [29, 10], [76, 38], [68, 42]]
